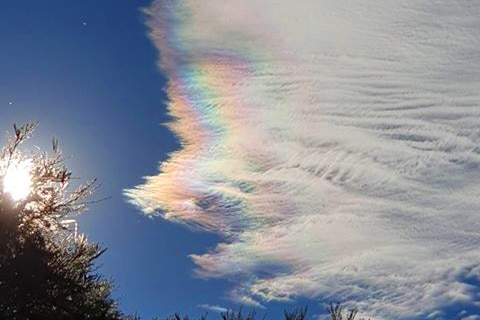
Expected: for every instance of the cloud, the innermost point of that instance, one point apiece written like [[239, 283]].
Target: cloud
[[333, 144], [213, 308]]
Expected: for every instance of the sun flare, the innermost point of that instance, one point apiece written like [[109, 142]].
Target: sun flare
[[18, 181]]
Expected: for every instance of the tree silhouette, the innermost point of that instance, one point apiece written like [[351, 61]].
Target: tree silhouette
[[47, 270], [336, 312]]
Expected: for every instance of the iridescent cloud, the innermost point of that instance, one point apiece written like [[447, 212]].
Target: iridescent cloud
[[334, 144]]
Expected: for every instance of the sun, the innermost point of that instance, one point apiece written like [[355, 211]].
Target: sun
[[18, 181]]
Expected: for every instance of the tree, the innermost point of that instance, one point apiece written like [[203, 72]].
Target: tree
[[336, 312], [46, 270]]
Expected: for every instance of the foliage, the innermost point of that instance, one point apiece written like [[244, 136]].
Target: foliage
[[46, 269], [336, 312], [296, 314], [232, 315]]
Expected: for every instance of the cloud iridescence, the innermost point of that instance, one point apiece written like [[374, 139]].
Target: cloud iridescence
[[334, 144]]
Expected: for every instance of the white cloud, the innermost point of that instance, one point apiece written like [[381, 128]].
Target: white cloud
[[334, 144], [213, 308], [436, 315]]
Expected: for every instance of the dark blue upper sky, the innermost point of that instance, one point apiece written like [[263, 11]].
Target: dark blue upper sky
[[87, 71]]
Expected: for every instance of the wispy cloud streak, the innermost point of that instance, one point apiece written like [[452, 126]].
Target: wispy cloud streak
[[213, 308], [334, 144]]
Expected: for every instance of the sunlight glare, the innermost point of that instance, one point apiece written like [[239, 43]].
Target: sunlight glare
[[18, 181]]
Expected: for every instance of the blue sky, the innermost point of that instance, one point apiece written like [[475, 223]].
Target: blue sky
[[87, 71]]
